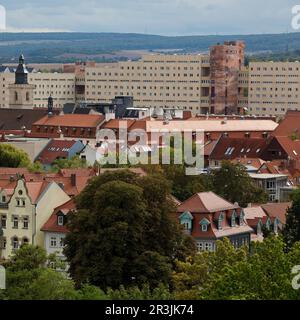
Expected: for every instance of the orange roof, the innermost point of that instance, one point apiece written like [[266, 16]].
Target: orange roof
[[206, 202], [289, 125], [71, 120], [51, 225], [292, 148], [116, 123], [277, 210]]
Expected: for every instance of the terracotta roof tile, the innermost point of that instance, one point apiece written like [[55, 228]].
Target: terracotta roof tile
[[71, 120], [205, 202], [51, 225]]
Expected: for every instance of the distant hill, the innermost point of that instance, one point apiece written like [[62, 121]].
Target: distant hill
[[60, 47]]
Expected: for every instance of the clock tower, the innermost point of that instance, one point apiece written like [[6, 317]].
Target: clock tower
[[21, 92]]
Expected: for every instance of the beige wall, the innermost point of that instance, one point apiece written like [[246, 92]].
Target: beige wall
[[38, 214], [274, 87], [155, 80], [50, 200], [60, 85], [167, 81]]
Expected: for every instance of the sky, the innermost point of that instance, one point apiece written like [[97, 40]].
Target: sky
[[164, 17]]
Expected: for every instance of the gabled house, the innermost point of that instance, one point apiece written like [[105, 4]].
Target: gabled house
[[24, 208], [235, 149], [59, 149], [208, 218], [55, 229], [258, 220]]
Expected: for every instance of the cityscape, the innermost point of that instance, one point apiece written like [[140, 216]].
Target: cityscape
[[158, 175]]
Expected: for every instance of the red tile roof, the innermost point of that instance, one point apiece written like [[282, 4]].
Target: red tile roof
[[277, 210], [292, 148], [51, 225], [54, 150], [71, 120], [72, 181], [206, 202], [233, 148], [289, 125]]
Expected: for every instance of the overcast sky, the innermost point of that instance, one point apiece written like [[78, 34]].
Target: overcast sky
[[166, 17]]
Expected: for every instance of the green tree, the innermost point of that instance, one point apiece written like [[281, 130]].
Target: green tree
[[233, 183], [12, 157], [230, 274], [28, 277], [73, 163], [291, 231], [123, 224]]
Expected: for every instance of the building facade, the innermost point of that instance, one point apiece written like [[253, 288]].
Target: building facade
[[24, 208], [208, 218]]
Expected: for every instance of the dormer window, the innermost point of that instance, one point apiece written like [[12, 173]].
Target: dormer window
[[60, 220], [204, 223], [220, 221], [186, 220], [276, 223], [242, 216], [233, 219], [259, 228], [268, 224]]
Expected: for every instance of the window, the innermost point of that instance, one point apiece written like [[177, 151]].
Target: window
[[3, 244], [15, 223], [25, 241], [276, 222], [61, 242], [60, 220], [15, 243], [3, 222], [242, 215], [53, 242], [220, 221], [233, 217], [259, 229], [204, 225], [25, 223], [3, 199], [204, 246]]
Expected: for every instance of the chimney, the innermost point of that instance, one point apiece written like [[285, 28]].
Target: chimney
[[73, 179]]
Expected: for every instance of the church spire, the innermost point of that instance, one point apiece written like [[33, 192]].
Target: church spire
[[21, 72]]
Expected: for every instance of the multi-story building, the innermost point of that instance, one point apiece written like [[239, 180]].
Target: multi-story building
[[274, 87], [158, 80], [216, 83], [24, 208], [208, 218]]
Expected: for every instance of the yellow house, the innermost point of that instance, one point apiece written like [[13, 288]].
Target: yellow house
[[24, 208]]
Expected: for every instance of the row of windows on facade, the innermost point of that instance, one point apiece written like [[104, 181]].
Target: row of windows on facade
[[56, 242], [210, 246], [15, 242], [65, 130], [204, 223], [274, 69], [15, 222]]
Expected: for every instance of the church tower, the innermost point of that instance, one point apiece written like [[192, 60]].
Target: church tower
[[21, 92]]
